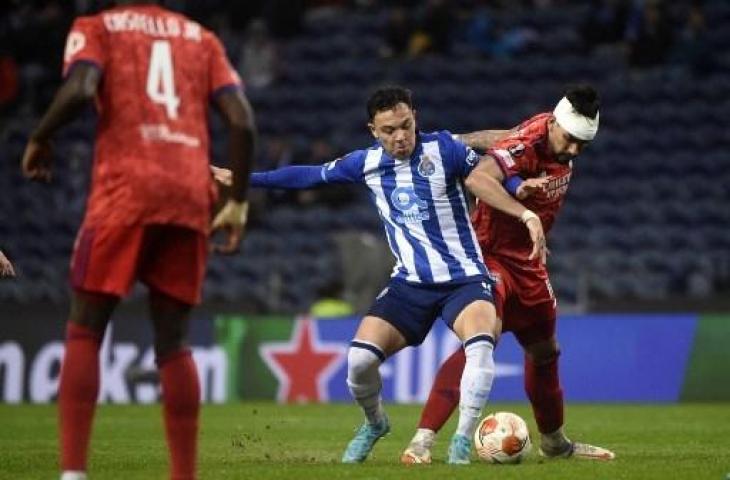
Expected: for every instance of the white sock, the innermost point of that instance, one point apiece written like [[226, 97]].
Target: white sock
[[363, 378], [476, 382], [425, 437], [73, 475]]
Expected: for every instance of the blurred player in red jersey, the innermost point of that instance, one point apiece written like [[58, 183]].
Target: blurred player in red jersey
[[152, 73], [534, 162]]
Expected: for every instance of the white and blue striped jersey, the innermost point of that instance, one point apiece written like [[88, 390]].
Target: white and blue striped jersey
[[422, 204]]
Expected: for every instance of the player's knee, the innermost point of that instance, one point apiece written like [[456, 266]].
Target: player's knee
[[478, 317], [362, 361], [544, 353], [164, 348], [92, 310], [169, 341]]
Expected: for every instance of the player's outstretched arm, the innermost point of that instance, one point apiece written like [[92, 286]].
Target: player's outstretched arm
[[346, 169], [78, 89], [295, 177], [484, 183], [237, 112], [482, 139], [292, 178]]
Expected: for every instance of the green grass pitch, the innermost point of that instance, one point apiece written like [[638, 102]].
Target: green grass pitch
[[268, 441]]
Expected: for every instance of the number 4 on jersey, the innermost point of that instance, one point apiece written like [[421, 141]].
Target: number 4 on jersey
[[160, 78]]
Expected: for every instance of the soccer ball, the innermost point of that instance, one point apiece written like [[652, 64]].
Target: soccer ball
[[502, 437]]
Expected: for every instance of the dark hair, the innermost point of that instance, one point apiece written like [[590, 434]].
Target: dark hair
[[584, 99], [386, 98]]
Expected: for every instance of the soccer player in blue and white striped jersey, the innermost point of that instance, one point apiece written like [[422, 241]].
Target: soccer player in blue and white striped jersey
[[417, 181]]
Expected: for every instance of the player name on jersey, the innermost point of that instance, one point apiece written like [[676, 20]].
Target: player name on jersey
[[156, 26]]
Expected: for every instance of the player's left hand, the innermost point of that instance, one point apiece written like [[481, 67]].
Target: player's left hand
[[37, 161], [531, 186], [6, 268], [537, 235], [232, 220]]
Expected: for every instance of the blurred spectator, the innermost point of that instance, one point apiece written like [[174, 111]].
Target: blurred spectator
[[284, 17], [489, 38], [276, 151], [220, 23], [649, 35], [692, 48], [9, 83], [434, 30], [258, 62], [480, 31], [366, 265], [31, 29], [606, 22], [329, 302], [322, 151], [398, 30], [699, 280]]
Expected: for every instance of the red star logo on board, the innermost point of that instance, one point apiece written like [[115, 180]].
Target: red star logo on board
[[304, 364]]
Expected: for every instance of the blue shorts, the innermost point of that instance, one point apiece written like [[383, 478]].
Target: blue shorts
[[413, 307]]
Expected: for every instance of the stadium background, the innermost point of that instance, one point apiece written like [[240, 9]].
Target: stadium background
[[640, 254]]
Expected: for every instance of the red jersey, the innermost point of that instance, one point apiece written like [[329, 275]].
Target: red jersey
[[159, 70], [524, 153]]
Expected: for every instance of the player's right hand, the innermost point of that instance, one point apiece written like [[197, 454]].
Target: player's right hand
[[6, 268], [232, 220], [531, 186], [537, 235], [37, 161], [222, 176]]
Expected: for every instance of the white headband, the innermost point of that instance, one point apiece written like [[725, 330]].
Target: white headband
[[580, 126]]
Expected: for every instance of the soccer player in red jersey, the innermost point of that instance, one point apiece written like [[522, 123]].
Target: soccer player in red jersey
[[535, 163], [152, 74]]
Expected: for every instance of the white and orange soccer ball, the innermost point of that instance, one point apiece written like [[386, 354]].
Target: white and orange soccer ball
[[502, 437]]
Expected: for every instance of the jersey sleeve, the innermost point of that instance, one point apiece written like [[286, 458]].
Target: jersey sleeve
[[514, 158], [460, 158], [346, 169], [222, 75], [85, 44]]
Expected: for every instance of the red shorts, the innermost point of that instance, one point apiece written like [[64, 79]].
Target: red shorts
[[167, 258], [524, 301]]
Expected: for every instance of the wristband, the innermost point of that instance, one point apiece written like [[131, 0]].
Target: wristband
[[528, 215], [512, 184]]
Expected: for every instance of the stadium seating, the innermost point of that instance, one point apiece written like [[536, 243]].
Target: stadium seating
[[647, 206]]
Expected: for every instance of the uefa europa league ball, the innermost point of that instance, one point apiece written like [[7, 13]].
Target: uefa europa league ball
[[502, 437]]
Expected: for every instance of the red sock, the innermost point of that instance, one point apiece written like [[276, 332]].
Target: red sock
[[181, 406], [77, 393], [444, 396], [542, 385]]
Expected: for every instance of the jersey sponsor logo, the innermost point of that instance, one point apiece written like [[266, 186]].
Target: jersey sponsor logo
[[426, 167], [557, 186], [471, 157], [74, 44], [516, 150], [162, 133], [412, 208]]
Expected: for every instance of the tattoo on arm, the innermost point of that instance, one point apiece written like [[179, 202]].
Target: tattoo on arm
[[483, 139]]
